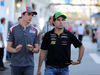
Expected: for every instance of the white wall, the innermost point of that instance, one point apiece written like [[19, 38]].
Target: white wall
[[44, 12], [10, 5]]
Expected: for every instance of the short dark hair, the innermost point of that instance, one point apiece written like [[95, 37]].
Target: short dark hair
[[2, 20], [24, 13], [54, 18], [80, 24], [50, 17], [19, 18]]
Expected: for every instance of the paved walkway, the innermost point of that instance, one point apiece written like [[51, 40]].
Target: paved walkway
[[6, 72]]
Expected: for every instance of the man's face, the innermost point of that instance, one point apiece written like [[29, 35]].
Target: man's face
[[59, 22], [27, 17], [19, 21], [5, 22], [51, 20]]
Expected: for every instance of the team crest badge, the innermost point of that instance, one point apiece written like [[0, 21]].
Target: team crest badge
[[53, 42]]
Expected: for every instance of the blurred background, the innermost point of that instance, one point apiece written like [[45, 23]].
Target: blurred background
[[85, 12]]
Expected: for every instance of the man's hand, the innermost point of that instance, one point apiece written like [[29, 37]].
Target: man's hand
[[30, 47], [75, 62], [18, 48], [39, 72], [3, 46]]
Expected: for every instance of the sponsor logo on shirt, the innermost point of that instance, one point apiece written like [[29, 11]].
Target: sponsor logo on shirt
[[31, 31], [64, 34], [64, 37], [64, 42], [53, 35], [53, 38], [53, 42]]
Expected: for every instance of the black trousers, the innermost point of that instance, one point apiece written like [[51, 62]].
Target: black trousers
[[1, 57], [80, 37]]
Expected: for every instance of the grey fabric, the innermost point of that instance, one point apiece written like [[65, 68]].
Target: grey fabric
[[20, 36]]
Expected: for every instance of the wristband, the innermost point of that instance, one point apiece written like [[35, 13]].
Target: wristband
[[79, 61]]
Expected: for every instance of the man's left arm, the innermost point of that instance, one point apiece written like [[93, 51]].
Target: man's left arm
[[35, 49], [78, 44], [81, 52]]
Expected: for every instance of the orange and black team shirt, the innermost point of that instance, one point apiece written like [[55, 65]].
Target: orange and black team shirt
[[59, 47]]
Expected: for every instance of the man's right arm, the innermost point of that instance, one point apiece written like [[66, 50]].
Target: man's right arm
[[41, 37], [9, 48], [13, 50], [41, 58], [10, 42], [1, 34]]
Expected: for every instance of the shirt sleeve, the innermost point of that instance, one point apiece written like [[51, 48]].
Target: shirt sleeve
[[10, 37], [44, 44], [1, 29], [37, 39], [75, 41]]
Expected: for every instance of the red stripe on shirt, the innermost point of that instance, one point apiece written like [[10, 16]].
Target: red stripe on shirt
[[13, 28], [36, 31]]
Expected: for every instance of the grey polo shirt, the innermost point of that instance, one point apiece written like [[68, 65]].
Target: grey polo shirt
[[20, 36]]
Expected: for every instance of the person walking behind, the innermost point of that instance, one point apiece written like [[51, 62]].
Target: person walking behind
[[74, 29], [49, 26], [19, 19], [2, 43], [80, 31], [23, 42], [97, 36], [58, 43]]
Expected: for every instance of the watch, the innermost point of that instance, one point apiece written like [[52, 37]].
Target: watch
[[79, 61]]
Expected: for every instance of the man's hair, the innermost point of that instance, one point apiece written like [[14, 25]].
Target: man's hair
[[54, 19], [19, 18], [2, 20], [80, 24], [24, 13], [50, 17]]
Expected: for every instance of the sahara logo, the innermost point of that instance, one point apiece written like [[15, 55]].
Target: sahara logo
[[53, 42]]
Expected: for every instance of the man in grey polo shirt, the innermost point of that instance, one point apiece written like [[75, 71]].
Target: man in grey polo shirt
[[23, 42]]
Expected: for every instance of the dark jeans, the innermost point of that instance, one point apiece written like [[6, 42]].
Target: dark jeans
[[56, 71], [80, 37], [29, 70], [1, 57]]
